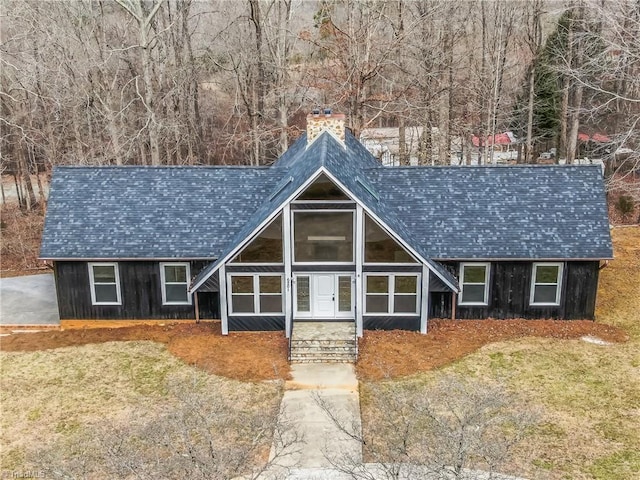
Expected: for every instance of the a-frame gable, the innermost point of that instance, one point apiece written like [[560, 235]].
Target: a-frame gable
[[272, 212]]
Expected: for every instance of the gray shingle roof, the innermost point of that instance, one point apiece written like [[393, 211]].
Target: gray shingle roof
[[150, 212], [521, 212], [514, 212]]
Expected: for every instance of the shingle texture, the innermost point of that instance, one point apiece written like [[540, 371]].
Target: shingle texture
[[519, 212], [150, 212], [510, 212]]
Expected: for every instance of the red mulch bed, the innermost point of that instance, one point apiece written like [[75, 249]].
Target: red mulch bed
[[243, 356], [263, 356], [398, 353]]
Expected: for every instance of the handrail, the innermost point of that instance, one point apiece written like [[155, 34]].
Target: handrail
[[290, 337], [356, 339], [355, 335]]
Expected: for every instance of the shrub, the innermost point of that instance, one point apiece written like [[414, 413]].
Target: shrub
[[625, 205]]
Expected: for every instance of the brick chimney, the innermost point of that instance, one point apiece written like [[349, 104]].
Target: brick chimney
[[320, 120]]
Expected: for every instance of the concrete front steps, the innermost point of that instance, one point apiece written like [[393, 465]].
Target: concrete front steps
[[323, 342]]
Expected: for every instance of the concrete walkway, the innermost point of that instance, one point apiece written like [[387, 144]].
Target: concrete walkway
[[28, 300], [319, 441]]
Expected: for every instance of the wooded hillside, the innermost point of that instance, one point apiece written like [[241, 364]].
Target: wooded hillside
[[229, 82]]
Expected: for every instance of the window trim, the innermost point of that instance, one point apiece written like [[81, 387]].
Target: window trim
[[558, 283], [487, 276], [164, 283], [391, 294], [93, 283], [255, 294]]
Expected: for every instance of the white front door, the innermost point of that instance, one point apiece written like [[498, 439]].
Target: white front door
[[324, 296]]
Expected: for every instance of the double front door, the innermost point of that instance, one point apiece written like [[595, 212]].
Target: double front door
[[323, 296]]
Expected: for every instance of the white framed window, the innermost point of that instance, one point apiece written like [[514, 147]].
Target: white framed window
[[255, 293], [323, 236], [105, 283], [392, 293], [546, 283], [474, 283], [174, 278]]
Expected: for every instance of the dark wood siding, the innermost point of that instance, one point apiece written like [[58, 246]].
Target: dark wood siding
[[391, 323], [209, 305], [140, 288], [324, 268], [256, 324], [324, 205], [254, 268], [510, 290], [392, 268], [211, 284]]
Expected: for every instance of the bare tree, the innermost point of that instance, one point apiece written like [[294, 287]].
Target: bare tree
[[453, 429], [202, 436]]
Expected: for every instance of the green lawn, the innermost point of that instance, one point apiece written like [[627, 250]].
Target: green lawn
[[588, 395]]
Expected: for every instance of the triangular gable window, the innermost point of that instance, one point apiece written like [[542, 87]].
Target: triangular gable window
[[379, 247], [323, 189], [266, 247]]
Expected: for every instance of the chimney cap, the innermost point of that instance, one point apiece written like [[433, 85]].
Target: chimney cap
[[327, 112], [316, 111]]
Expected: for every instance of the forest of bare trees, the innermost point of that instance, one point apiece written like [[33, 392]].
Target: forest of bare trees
[[187, 82]]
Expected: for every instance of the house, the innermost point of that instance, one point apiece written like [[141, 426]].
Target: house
[[384, 144], [326, 234], [504, 148]]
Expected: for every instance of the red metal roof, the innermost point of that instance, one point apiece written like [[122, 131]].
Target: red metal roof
[[505, 138], [596, 137]]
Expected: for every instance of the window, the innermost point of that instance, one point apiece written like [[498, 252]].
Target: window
[[546, 284], [266, 247], [379, 247], [474, 283], [256, 294], [105, 283], [321, 236], [392, 294], [175, 283], [323, 189]]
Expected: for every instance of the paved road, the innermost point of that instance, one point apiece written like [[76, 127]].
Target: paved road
[[29, 300]]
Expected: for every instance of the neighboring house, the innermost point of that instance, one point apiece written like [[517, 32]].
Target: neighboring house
[[326, 233], [504, 145], [384, 144]]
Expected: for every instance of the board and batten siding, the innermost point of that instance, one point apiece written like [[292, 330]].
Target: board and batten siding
[[510, 290], [141, 294], [256, 324]]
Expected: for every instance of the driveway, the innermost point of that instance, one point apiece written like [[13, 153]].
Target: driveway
[[29, 300]]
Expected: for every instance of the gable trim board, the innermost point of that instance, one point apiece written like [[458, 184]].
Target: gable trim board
[[509, 217]]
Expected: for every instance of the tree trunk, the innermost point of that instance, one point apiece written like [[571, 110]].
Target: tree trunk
[[402, 142], [528, 157], [572, 150], [135, 9]]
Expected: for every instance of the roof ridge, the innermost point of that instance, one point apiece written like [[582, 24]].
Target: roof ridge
[[463, 167], [164, 167]]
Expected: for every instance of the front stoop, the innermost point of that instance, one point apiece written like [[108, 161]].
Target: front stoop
[[323, 342]]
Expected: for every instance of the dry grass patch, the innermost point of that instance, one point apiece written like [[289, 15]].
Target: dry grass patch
[[589, 395], [60, 399]]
